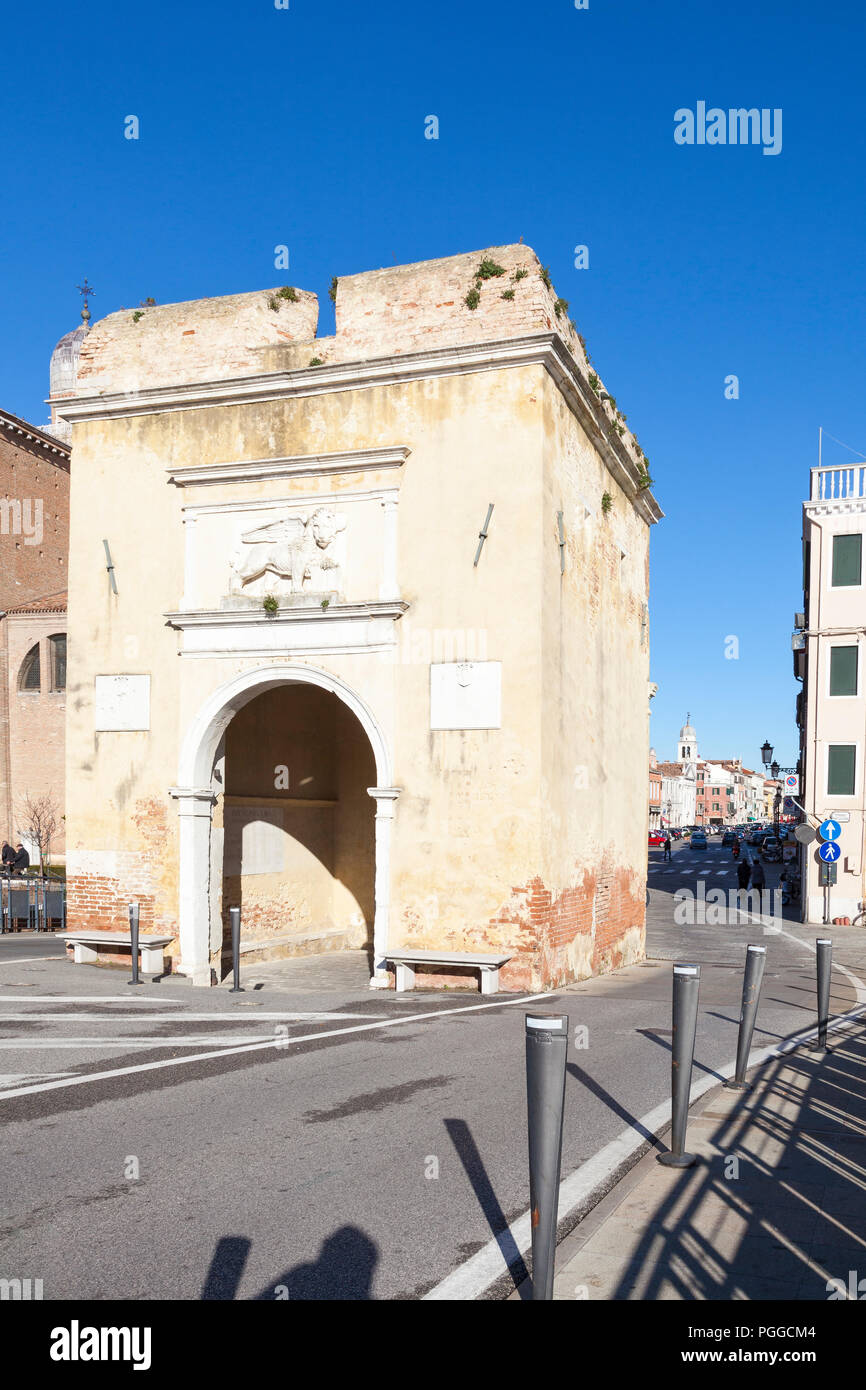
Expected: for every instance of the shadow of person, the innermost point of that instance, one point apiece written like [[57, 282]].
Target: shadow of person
[[344, 1270], [226, 1269]]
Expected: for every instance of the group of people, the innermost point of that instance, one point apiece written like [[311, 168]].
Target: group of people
[[750, 873], [13, 861]]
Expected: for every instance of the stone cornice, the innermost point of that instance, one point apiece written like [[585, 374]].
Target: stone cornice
[[241, 617], [298, 466], [545, 349], [837, 506]]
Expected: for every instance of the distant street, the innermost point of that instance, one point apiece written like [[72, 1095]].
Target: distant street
[[312, 1167]]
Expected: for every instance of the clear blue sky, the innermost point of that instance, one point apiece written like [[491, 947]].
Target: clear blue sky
[[306, 127]]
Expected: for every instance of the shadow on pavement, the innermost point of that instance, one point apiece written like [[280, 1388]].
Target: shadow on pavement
[[778, 1209]]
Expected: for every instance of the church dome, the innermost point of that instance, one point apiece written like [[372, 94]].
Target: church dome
[[688, 733], [63, 373]]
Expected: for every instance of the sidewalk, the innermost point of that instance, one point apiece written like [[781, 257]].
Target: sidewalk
[[774, 1209]]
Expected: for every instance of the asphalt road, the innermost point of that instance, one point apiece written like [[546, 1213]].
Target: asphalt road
[[162, 1147]]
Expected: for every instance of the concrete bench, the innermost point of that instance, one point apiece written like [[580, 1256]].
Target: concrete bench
[[84, 947], [406, 961]]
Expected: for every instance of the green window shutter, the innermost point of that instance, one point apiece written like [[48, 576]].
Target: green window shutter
[[841, 760], [843, 670], [847, 558]]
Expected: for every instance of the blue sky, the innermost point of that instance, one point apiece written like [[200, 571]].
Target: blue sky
[[305, 126]]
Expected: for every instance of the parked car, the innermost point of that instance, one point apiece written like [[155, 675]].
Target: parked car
[[698, 840], [771, 849], [656, 837], [756, 837]]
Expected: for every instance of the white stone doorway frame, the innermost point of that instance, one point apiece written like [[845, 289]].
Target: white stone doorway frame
[[196, 798]]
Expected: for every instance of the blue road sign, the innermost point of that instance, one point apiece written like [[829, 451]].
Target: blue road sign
[[829, 852], [830, 830]]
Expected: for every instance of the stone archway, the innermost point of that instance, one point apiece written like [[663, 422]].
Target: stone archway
[[196, 795]]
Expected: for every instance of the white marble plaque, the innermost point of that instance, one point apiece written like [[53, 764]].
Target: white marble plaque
[[122, 703], [466, 695]]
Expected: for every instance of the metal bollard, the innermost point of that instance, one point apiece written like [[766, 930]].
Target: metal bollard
[[235, 916], [824, 947], [133, 932], [686, 987], [756, 959], [546, 1048]]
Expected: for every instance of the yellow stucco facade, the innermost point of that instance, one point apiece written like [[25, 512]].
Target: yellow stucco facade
[[409, 748]]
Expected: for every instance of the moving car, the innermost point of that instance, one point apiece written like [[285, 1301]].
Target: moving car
[[771, 848], [757, 836], [728, 839], [698, 840], [656, 837]]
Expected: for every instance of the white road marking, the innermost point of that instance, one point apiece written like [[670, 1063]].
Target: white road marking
[[152, 1044], [217, 1018], [151, 999], [12, 1078], [282, 1043], [589, 1182], [19, 960]]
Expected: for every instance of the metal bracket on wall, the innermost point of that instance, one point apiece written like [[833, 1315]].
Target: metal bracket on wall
[[109, 565], [482, 535], [559, 523]]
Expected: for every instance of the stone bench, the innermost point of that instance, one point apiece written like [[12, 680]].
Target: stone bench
[[406, 961], [84, 947]]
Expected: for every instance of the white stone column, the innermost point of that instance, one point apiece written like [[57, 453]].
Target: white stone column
[[195, 809], [389, 587], [385, 799]]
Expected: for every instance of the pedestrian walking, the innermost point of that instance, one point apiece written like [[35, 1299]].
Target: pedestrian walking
[[667, 853], [744, 873], [758, 878], [21, 861]]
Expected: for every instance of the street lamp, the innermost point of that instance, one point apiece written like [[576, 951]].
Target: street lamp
[[772, 766]]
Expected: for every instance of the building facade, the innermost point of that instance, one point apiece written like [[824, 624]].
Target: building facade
[[832, 706], [372, 661], [34, 536]]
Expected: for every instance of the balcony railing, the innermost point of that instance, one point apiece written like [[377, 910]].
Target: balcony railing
[[835, 484]]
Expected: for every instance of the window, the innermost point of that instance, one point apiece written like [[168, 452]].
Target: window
[[57, 655], [847, 557], [843, 670], [28, 676], [841, 761]]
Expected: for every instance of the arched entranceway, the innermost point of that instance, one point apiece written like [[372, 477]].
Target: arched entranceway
[[279, 831]]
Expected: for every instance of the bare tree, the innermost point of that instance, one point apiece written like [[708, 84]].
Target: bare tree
[[38, 818]]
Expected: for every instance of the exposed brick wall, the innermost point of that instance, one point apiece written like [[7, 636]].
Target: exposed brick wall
[[200, 340], [36, 725], [31, 470], [32, 734], [102, 883]]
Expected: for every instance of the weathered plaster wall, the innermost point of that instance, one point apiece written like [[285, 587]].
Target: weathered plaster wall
[[490, 845]]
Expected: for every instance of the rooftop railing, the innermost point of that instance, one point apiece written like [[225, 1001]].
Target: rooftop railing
[[836, 484]]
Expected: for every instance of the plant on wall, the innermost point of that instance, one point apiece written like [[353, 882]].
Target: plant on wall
[[287, 292], [270, 604], [332, 292], [488, 269], [473, 299], [606, 502]]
